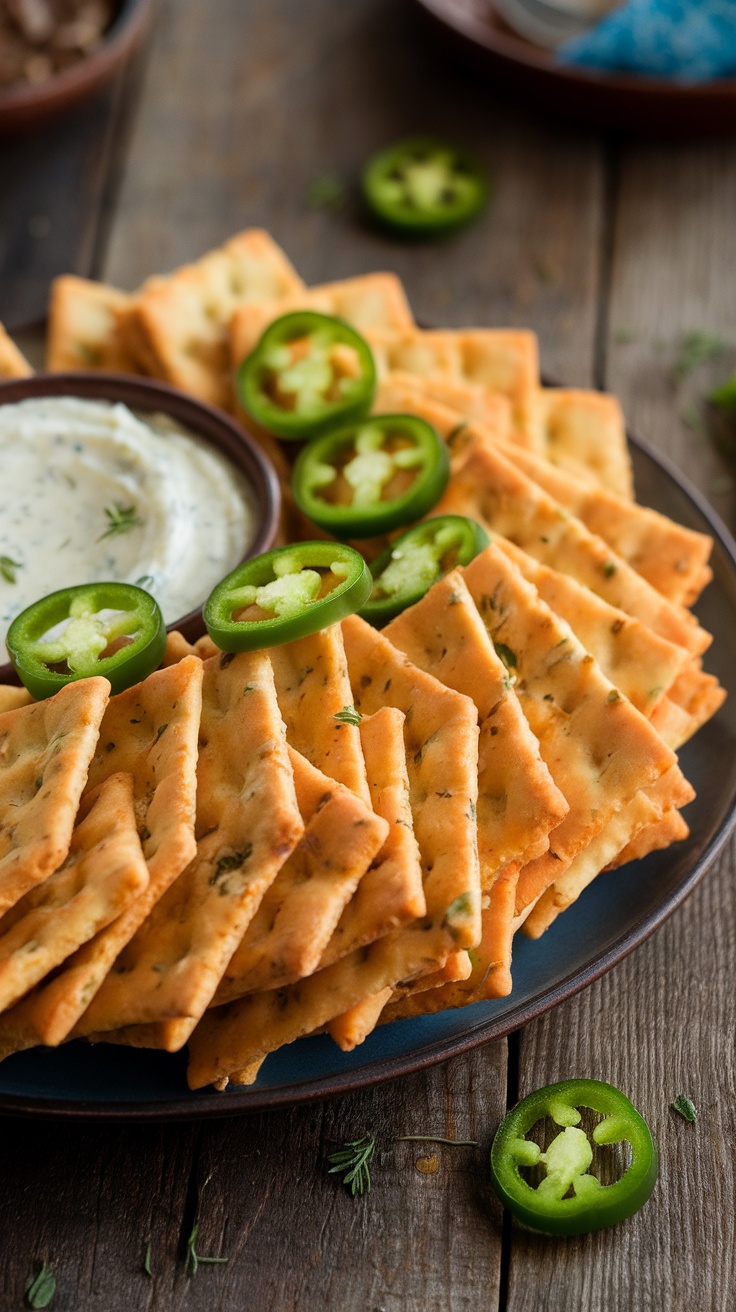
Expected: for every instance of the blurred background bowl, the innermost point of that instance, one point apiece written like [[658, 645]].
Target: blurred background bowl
[[28, 105], [144, 396]]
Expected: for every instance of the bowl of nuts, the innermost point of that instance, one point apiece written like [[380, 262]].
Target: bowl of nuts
[[56, 53]]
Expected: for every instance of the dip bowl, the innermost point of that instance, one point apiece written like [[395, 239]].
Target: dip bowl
[[214, 427]]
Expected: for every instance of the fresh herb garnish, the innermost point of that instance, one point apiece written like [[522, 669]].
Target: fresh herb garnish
[[697, 348], [352, 1161], [8, 568], [326, 193], [41, 1290], [506, 654], [348, 715], [434, 1138], [194, 1259], [120, 519], [147, 1262], [685, 1107], [145, 581]]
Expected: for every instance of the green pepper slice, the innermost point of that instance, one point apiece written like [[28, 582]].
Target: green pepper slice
[[569, 1200], [424, 187], [408, 568], [372, 477], [308, 373], [285, 594], [92, 616]]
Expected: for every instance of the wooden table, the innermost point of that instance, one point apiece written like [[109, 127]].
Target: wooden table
[[609, 249]]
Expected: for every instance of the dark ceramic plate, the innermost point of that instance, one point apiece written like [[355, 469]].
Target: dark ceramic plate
[[635, 104], [614, 915]]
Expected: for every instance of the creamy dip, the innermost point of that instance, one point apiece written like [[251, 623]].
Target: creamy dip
[[90, 491]]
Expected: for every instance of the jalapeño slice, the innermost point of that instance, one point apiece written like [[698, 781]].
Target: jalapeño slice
[[286, 593], [65, 635], [308, 372], [424, 187], [372, 477], [568, 1199], [408, 568]]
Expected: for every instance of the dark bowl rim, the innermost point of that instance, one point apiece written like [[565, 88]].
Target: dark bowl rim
[[119, 41], [516, 50], [204, 1103], [206, 422]]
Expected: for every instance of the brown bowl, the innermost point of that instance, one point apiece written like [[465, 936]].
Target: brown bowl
[[29, 105], [213, 426]]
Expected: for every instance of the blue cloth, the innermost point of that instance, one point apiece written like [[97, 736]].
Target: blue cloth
[[685, 40]]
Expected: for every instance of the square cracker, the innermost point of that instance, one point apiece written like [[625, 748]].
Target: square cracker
[[518, 803], [177, 327], [487, 486], [84, 329], [584, 432], [441, 752], [503, 360], [299, 912], [370, 301], [446, 399], [390, 894], [13, 363], [247, 825], [102, 874], [313, 686], [163, 766], [45, 753], [599, 750]]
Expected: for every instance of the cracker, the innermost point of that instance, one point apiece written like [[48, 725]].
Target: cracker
[[247, 825], [400, 392], [441, 752], [390, 894], [488, 487], [103, 872], [671, 828], [313, 686], [503, 360], [353, 1027], [178, 326], [585, 432], [370, 301], [518, 803], [84, 328], [164, 781], [13, 363], [45, 752], [641, 664], [12, 697], [699, 694], [300, 911], [177, 647], [599, 749]]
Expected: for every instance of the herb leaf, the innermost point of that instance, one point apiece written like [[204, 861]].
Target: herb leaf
[[697, 348], [41, 1290], [194, 1259], [685, 1108], [348, 715], [326, 193], [506, 654], [120, 519], [434, 1138], [8, 568], [352, 1161], [147, 1262]]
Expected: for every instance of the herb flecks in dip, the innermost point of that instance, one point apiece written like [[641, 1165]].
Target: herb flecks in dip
[[89, 491]]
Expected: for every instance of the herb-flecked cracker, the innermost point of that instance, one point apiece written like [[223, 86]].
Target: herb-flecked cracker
[[45, 752], [102, 874], [584, 432], [84, 328], [247, 824], [162, 762], [599, 750], [299, 912], [313, 689]]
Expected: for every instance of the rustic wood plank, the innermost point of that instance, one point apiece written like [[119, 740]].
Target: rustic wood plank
[[662, 1023], [58, 188], [295, 93]]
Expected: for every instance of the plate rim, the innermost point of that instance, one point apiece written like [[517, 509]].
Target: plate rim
[[199, 1104]]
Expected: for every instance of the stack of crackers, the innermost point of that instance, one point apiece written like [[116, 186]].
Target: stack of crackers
[[350, 828]]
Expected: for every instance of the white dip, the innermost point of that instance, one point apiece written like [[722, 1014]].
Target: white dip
[[70, 470]]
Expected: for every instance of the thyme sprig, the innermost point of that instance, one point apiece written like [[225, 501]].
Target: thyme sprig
[[352, 1161], [195, 1259], [348, 715], [120, 519]]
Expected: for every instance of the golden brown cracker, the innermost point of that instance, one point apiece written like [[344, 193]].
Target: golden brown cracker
[[13, 363], [84, 329], [45, 753], [584, 432], [12, 697], [103, 872]]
